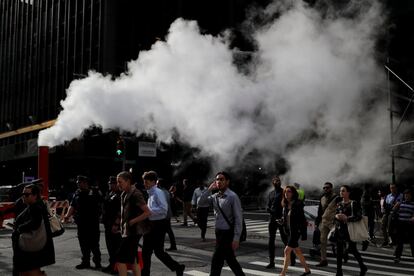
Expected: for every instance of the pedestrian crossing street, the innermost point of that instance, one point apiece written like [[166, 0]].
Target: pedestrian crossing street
[[378, 263]]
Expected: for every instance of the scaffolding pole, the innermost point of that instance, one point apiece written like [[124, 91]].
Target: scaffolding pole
[[392, 131]]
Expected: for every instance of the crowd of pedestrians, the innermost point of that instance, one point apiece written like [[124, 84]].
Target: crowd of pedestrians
[[131, 213], [335, 212]]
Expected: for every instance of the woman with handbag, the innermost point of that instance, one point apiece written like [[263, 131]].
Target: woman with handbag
[[347, 211], [32, 238], [295, 226]]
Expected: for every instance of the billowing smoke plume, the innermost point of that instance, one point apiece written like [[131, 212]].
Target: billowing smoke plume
[[312, 95]]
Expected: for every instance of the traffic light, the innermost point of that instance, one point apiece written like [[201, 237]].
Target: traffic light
[[120, 150]]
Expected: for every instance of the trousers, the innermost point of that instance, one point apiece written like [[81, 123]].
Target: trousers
[[224, 252]]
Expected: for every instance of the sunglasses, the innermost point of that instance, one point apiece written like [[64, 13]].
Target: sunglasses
[[326, 188], [26, 194]]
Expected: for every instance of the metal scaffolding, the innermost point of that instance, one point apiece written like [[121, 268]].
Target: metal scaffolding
[[394, 131]]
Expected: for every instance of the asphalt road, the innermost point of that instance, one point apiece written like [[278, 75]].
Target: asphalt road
[[196, 255]]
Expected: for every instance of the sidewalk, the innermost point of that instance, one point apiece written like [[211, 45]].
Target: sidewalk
[[68, 253]]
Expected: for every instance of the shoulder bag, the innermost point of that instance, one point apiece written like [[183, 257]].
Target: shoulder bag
[[34, 240], [56, 226], [358, 230], [333, 235], [243, 235]]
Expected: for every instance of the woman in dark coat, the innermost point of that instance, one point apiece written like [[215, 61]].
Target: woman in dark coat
[[29, 263], [347, 211], [295, 227]]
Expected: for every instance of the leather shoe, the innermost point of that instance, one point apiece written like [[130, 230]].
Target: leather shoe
[[306, 273], [83, 266], [322, 263], [172, 248], [180, 270], [270, 265]]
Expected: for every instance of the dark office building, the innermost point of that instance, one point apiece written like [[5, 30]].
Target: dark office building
[[45, 44]]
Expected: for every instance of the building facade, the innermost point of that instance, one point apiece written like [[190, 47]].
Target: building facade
[[45, 44]]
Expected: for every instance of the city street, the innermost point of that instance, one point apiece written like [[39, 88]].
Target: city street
[[196, 255]]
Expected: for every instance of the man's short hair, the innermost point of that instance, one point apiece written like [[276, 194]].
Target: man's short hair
[[225, 174], [150, 175], [328, 184], [82, 178]]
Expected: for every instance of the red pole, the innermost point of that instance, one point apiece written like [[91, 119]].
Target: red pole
[[43, 169]]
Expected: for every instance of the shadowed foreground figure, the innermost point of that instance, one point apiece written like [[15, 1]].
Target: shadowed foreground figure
[[227, 236], [86, 207], [295, 225], [154, 239], [275, 209], [347, 211], [34, 216]]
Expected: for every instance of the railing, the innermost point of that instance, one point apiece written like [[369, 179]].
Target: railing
[[57, 207]]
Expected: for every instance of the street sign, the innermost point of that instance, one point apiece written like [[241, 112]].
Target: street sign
[[147, 149]]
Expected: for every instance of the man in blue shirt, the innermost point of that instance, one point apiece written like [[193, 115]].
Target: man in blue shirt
[[202, 210], [227, 207], [154, 240], [387, 219]]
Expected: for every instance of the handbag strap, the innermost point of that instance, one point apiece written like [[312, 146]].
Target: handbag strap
[[352, 210], [222, 213]]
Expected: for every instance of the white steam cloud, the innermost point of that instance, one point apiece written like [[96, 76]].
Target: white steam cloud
[[312, 97]]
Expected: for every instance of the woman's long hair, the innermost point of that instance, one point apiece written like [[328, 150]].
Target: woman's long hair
[[34, 189], [295, 195]]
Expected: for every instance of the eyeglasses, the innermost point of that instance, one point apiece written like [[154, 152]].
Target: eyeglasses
[[26, 194]]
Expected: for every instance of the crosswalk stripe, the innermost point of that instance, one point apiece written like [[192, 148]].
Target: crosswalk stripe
[[252, 221], [350, 268], [266, 232], [346, 269], [291, 268], [367, 257], [256, 227], [365, 253], [376, 265], [253, 272], [196, 273]]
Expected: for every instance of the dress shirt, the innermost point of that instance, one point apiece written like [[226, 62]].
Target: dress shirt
[[157, 203], [196, 198], [390, 200], [230, 205]]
